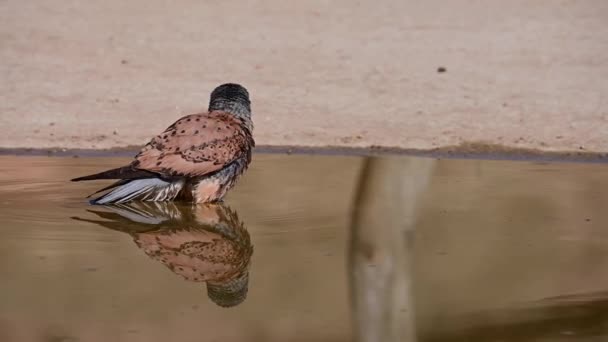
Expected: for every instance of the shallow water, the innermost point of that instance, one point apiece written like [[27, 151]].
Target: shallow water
[[492, 251]]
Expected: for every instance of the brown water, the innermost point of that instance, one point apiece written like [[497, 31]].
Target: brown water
[[486, 251]]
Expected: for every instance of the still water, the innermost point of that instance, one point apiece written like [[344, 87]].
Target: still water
[[311, 248]]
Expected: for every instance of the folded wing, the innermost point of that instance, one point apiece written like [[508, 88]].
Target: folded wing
[[196, 145]]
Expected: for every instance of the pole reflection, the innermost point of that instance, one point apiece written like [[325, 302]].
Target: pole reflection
[[380, 253]]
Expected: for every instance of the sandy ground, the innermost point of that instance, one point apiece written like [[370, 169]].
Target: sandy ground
[[531, 74]]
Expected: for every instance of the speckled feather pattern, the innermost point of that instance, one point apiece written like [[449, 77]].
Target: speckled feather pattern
[[210, 149], [196, 145], [216, 247], [201, 243], [198, 158]]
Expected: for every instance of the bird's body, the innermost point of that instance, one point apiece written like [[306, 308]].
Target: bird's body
[[198, 158]]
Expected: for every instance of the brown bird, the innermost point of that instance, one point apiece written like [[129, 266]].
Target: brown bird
[[204, 243], [198, 158]]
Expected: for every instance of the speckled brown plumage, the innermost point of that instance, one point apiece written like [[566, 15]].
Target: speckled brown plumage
[[196, 145], [198, 158], [204, 243]]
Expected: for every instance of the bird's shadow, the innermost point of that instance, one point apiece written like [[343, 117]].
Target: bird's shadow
[[201, 243]]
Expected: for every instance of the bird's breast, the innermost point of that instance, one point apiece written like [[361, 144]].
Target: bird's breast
[[207, 190]]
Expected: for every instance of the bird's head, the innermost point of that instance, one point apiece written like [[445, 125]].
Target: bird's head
[[232, 98], [229, 293]]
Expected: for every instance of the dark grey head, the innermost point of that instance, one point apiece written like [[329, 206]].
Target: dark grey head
[[231, 97], [230, 293]]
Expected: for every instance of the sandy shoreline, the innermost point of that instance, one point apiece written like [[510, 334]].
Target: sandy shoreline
[[104, 75], [479, 152]]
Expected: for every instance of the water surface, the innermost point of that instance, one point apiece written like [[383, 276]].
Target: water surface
[[494, 251]]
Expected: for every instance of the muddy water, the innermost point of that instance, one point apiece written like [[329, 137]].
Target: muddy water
[[492, 251]]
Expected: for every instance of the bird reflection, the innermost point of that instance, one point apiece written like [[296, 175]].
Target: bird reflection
[[202, 243]]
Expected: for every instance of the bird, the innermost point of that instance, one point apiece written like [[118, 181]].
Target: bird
[[196, 159], [200, 243]]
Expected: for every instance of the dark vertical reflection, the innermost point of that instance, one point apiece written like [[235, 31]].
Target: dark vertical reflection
[[201, 243], [384, 214]]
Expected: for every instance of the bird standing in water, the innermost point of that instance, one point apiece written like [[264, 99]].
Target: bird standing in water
[[198, 158]]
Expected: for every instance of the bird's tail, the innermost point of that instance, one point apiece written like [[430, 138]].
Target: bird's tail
[[124, 172], [145, 189]]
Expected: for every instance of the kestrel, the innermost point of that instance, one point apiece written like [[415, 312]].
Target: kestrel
[[198, 158], [204, 243]]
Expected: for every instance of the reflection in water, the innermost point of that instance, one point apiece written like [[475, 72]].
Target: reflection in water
[[382, 247], [388, 194], [202, 243], [580, 317], [487, 242]]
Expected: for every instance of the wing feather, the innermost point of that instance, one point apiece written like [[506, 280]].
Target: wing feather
[[196, 145]]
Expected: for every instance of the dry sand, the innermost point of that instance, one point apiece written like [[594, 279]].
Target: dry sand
[[529, 74]]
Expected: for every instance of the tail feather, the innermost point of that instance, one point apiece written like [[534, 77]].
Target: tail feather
[[111, 186], [125, 172], [147, 189]]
